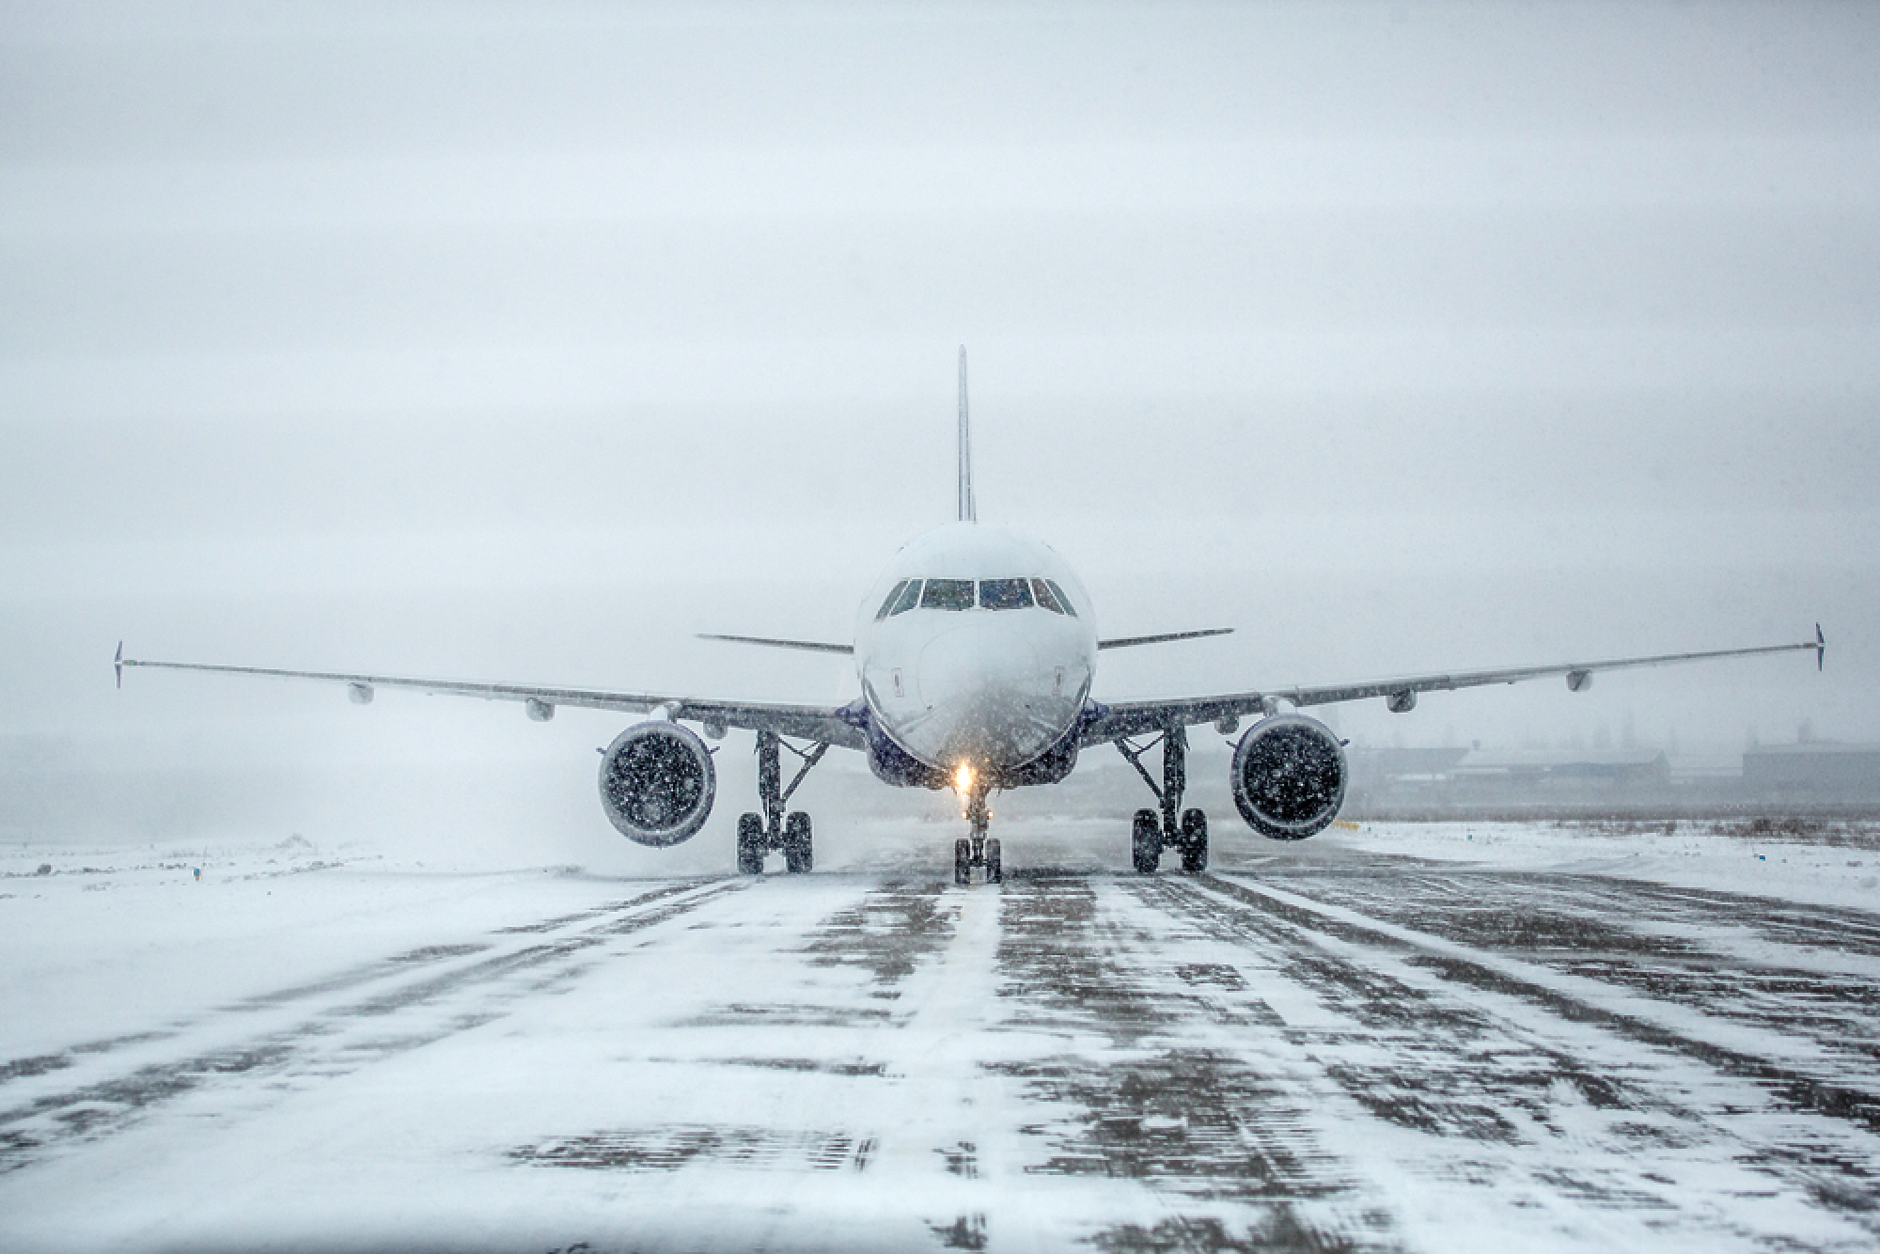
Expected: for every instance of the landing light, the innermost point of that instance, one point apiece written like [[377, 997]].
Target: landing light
[[963, 778]]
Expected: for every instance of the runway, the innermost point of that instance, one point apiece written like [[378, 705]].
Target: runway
[[1349, 1051]]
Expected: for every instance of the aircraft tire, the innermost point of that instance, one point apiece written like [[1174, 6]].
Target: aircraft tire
[[995, 871], [751, 844], [1146, 841], [1194, 842], [963, 862], [798, 855]]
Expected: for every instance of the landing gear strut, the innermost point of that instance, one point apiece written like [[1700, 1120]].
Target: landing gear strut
[[977, 850], [758, 834], [1175, 828]]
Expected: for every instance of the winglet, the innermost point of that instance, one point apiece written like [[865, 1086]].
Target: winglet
[[968, 512], [1821, 649], [117, 664]]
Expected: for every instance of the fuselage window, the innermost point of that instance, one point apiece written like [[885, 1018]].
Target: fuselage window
[[1062, 600], [1044, 597], [1004, 594], [947, 594], [909, 599], [893, 596]]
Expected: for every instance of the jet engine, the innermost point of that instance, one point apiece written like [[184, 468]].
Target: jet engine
[[657, 783], [1289, 777]]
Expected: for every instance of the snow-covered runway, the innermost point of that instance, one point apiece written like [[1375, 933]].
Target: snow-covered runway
[[1350, 1050]]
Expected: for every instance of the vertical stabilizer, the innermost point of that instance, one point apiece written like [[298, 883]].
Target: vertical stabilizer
[[968, 513]]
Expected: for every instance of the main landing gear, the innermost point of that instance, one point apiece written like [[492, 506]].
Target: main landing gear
[[758, 834], [977, 849], [1183, 830]]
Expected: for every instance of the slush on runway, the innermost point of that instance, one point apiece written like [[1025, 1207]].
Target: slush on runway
[[1340, 1050]]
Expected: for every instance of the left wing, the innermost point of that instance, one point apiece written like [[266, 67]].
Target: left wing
[[1130, 718], [836, 725]]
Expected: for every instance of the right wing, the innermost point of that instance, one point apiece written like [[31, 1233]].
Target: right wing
[[836, 725], [808, 646]]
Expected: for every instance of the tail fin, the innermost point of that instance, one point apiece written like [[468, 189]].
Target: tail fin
[[968, 513]]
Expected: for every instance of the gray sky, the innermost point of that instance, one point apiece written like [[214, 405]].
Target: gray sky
[[522, 342]]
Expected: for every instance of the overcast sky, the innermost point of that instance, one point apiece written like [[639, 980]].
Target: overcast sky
[[523, 342]]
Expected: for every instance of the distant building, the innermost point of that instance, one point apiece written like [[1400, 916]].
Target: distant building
[[1808, 777], [1616, 768], [1379, 766], [1813, 769]]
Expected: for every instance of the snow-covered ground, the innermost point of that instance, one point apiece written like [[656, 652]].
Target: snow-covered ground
[[1395, 1036], [1822, 861]]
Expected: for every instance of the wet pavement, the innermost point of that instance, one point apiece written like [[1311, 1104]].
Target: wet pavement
[[1367, 1053]]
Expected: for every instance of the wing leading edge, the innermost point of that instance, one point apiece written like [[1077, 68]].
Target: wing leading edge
[[1128, 718], [817, 646], [835, 725], [807, 646]]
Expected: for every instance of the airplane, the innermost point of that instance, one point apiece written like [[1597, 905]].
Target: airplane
[[977, 653]]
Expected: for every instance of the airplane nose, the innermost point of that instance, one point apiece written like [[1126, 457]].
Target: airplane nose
[[995, 696], [966, 664]]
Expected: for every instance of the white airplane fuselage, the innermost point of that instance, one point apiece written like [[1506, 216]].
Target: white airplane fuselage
[[984, 656]]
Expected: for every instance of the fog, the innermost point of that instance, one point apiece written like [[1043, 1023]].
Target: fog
[[523, 343]]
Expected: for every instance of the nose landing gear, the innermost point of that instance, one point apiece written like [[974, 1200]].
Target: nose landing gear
[[977, 850], [1183, 830]]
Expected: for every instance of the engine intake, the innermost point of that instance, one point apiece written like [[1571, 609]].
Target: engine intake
[[1289, 777], [657, 783]]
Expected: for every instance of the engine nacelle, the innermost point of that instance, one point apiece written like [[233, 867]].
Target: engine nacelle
[[657, 783], [1289, 777]]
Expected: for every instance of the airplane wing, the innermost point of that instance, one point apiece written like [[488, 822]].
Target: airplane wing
[[1130, 718], [807, 646], [829, 724], [1130, 642], [817, 646]]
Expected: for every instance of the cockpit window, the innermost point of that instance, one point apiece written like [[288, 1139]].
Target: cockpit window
[[947, 594], [958, 594], [893, 596], [1004, 594]]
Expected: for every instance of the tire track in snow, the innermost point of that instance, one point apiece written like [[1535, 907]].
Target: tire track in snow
[[880, 939], [383, 969], [1470, 1050], [1183, 1100], [1383, 884], [329, 1041], [1699, 1007], [1807, 972]]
